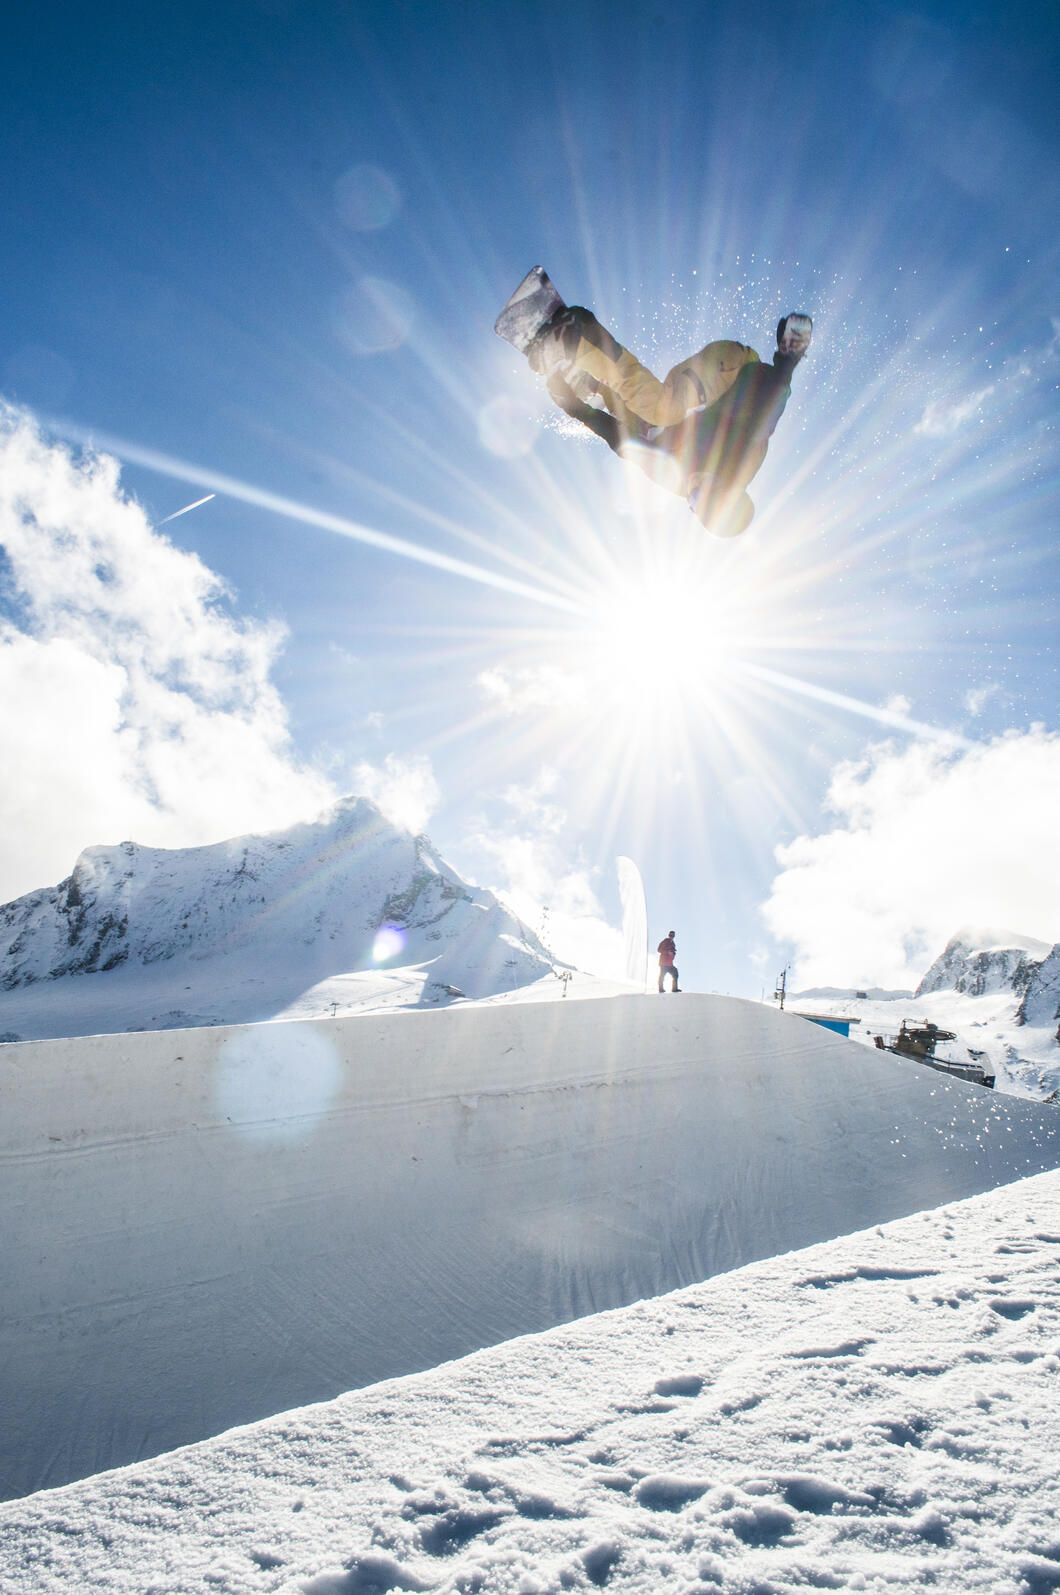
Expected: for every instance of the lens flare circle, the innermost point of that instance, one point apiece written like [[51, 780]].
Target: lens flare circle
[[367, 198], [374, 316], [505, 428], [268, 1079], [389, 942]]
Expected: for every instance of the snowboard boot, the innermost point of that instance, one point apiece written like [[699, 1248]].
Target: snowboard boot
[[553, 347]]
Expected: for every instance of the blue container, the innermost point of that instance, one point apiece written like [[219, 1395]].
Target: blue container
[[840, 1026]]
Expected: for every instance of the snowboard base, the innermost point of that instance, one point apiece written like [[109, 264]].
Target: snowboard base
[[530, 307]]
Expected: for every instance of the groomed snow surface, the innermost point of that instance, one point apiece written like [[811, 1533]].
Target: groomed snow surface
[[206, 1227], [881, 1412], [209, 1226]]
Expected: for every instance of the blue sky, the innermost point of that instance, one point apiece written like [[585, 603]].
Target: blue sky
[[257, 249]]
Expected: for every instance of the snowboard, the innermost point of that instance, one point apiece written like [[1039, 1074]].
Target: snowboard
[[533, 303], [531, 307]]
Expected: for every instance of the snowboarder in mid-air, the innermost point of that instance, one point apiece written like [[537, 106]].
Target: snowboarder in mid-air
[[702, 432], [667, 954]]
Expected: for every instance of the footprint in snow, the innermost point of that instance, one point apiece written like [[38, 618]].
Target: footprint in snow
[[760, 1524], [806, 1492], [735, 1404], [686, 1384], [600, 1561], [867, 1271], [453, 1530], [453, 1523], [527, 1503], [519, 1445], [844, 1348], [925, 1369], [366, 1575], [1012, 1306], [668, 1492], [901, 1431], [1039, 1578], [621, 1482]]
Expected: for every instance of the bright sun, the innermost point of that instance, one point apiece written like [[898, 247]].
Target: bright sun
[[645, 688], [658, 636], [659, 643], [652, 683]]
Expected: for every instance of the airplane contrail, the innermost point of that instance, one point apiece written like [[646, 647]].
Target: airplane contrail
[[186, 508], [232, 487]]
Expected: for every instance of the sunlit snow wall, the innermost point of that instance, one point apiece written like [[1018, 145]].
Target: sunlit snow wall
[[203, 1227], [634, 920]]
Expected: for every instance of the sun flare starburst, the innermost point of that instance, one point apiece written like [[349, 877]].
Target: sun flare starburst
[[651, 641]]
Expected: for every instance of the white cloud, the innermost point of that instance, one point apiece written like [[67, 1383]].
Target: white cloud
[[976, 698], [531, 803], [561, 909], [588, 942], [528, 862], [943, 417], [133, 703], [533, 688], [927, 839], [404, 788]]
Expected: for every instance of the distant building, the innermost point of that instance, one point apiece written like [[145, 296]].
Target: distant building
[[830, 1021]]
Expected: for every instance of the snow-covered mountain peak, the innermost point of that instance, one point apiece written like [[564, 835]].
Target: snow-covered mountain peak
[[998, 991], [271, 915], [976, 962], [1040, 1005], [980, 939]]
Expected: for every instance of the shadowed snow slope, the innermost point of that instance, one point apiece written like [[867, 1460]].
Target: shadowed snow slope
[[207, 1226], [877, 1412]]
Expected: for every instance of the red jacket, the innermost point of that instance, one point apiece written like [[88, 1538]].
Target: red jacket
[[667, 952]]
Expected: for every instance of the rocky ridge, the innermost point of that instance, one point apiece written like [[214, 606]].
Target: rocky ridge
[[347, 894]]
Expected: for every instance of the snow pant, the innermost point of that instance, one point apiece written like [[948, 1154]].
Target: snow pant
[[668, 969], [709, 456]]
